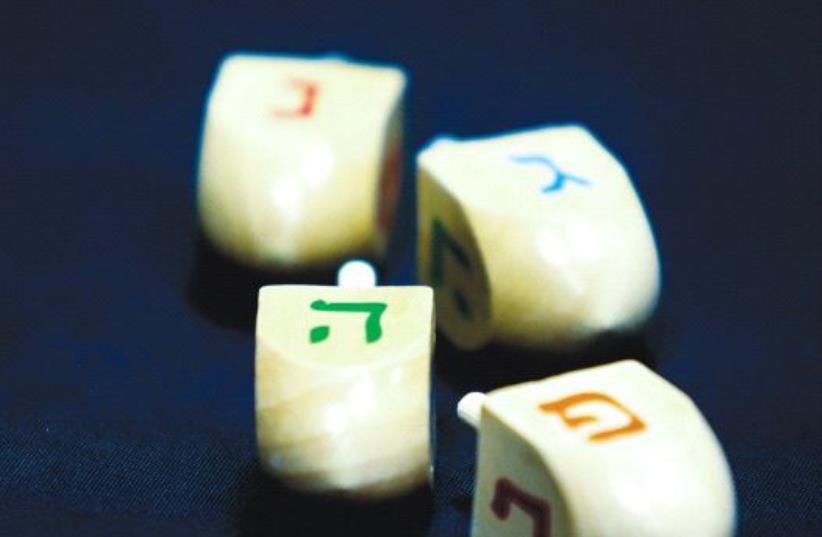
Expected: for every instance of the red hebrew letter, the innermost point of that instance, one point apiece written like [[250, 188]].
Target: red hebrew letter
[[309, 92], [389, 185], [506, 494], [561, 407]]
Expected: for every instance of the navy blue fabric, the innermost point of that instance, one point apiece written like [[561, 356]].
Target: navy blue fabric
[[126, 345]]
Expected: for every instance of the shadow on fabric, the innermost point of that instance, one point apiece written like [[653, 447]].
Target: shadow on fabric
[[270, 510]]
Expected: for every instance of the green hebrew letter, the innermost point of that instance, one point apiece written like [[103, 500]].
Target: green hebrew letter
[[373, 330], [440, 241]]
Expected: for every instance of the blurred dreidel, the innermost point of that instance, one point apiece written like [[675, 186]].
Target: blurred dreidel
[[342, 387], [534, 239], [301, 159], [610, 451]]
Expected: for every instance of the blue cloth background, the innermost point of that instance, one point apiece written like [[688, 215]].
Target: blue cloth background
[[126, 350]]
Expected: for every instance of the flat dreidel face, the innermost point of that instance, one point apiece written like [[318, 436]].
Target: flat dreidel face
[[342, 387], [298, 164], [330, 326], [548, 237], [609, 451]]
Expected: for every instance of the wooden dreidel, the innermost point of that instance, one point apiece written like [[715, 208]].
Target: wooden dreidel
[[301, 159], [342, 387], [534, 239], [610, 451]]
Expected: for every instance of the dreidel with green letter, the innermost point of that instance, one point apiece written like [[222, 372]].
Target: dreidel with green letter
[[342, 388]]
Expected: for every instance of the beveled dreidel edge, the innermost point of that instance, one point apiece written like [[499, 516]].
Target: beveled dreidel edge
[[292, 143], [606, 451], [342, 401], [527, 265]]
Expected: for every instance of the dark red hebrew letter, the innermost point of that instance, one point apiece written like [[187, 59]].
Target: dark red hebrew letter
[[309, 92], [506, 494], [561, 406], [390, 185]]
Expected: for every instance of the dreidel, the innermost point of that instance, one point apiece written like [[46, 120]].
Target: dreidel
[[533, 239], [301, 160], [343, 385], [608, 451]]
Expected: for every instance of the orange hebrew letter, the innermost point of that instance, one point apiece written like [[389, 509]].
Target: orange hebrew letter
[[561, 407], [506, 493], [309, 96]]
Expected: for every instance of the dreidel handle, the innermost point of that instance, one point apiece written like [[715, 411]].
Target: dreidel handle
[[355, 274], [469, 409]]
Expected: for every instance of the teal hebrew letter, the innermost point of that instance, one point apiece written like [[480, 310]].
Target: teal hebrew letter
[[442, 241]]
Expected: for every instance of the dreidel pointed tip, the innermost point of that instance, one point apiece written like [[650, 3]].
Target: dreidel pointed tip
[[469, 409]]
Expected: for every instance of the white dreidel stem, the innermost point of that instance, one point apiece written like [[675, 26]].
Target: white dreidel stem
[[469, 409], [356, 274]]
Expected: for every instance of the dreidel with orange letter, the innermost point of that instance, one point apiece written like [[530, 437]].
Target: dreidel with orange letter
[[342, 388], [609, 451]]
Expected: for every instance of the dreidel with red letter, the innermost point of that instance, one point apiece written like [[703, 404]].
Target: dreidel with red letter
[[609, 451], [301, 160], [342, 388]]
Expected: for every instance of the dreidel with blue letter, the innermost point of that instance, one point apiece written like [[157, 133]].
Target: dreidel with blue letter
[[533, 239]]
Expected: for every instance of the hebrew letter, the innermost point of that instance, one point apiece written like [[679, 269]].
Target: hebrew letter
[[309, 95], [506, 494], [373, 330], [561, 407], [441, 241], [560, 177]]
